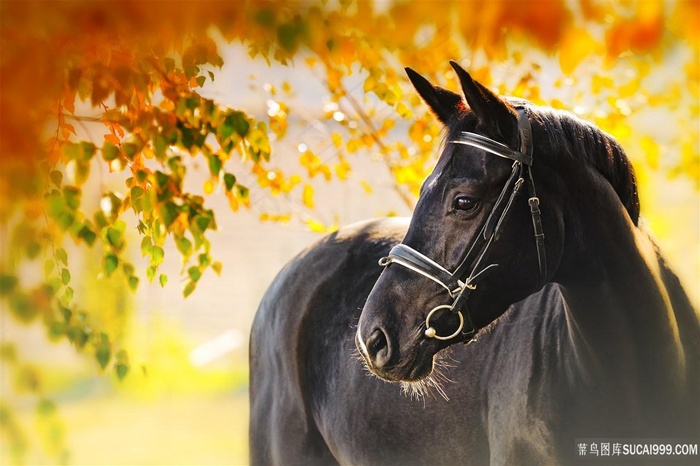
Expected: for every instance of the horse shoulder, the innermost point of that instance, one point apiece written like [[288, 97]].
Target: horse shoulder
[[529, 377], [285, 331]]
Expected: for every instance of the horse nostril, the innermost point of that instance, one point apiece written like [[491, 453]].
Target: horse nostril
[[378, 348]]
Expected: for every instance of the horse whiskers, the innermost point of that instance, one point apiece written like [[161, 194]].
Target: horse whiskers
[[435, 381]]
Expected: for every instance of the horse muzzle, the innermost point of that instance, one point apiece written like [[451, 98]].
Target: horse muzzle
[[383, 357]]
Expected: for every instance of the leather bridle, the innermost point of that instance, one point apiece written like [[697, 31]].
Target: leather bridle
[[460, 283]]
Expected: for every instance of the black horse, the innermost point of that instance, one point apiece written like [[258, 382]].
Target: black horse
[[576, 329]]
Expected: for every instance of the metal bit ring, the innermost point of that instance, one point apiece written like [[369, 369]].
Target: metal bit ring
[[430, 331]]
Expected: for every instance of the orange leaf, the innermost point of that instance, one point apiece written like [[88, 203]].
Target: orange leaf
[[69, 101], [112, 138], [575, 47]]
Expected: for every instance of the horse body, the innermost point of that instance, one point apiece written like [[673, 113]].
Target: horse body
[[608, 347], [521, 394], [313, 402]]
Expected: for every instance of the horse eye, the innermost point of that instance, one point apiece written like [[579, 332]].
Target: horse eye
[[465, 203]]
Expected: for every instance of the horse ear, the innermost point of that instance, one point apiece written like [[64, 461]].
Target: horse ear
[[444, 104], [491, 111]]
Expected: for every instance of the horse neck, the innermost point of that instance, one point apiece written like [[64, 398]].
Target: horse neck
[[617, 300]]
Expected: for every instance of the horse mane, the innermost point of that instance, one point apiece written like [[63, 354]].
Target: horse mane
[[602, 151]]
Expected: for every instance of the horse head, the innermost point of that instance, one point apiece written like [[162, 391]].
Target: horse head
[[476, 241]]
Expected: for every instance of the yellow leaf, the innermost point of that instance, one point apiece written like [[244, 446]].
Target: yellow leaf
[[651, 150], [315, 226], [342, 169], [308, 196], [366, 186], [209, 186], [233, 201], [404, 110]]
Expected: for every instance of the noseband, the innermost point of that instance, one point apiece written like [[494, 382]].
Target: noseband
[[460, 283]]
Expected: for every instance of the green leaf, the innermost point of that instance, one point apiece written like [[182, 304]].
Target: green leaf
[[168, 213], [114, 237], [128, 269], [189, 288], [77, 335], [82, 172], [202, 222], [65, 276], [184, 246], [109, 151], [163, 279], [87, 234], [67, 296], [111, 264], [62, 256], [136, 192], [214, 165], [133, 282], [65, 220], [56, 330], [7, 284], [288, 37], [72, 196], [235, 122], [161, 179], [204, 260], [33, 249], [130, 149], [157, 255], [71, 151], [120, 226], [194, 273], [46, 408], [240, 123], [100, 219], [229, 181], [121, 370], [103, 353], [146, 245], [160, 145], [87, 150], [151, 272], [201, 80], [56, 177], [22, 307], [141, 175]]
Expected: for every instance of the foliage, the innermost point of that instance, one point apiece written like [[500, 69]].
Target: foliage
[[138, 69]]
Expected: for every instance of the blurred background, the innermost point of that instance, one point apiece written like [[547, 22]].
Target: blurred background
[[184, 399]]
